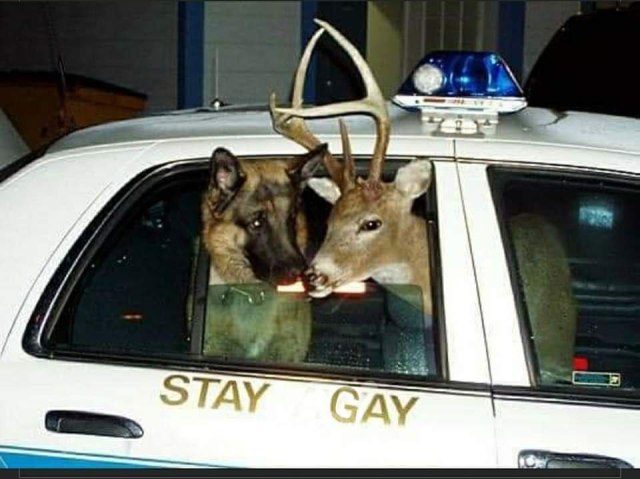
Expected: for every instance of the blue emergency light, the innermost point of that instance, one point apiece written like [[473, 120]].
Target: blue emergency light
[[455, 82]]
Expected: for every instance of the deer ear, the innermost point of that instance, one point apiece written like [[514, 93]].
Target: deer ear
[[326, 188], [305, 166], [414, 179], [225, 172]]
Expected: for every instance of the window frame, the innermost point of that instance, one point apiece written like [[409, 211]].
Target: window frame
[[72, 268], [498, 176]]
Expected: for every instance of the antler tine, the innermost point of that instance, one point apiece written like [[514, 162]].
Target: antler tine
[[374, 100], [349, 172], [294, 127], [373, 104], [286, 124]]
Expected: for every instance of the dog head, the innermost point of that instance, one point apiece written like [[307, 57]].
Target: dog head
[[254, 225]]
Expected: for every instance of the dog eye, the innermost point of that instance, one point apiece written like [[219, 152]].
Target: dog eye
[[370, 225], [256, 223]]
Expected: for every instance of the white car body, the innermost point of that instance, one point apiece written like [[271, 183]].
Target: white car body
[[484, 414]]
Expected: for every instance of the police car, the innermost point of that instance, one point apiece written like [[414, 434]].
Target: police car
[[530, 357]]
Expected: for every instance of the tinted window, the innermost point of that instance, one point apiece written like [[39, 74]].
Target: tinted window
[[576, 267], [144, 293], [133, 294], [589, 66]]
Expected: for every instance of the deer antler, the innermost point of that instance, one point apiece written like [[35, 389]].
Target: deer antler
[[290, 121], [349, 168], [293, 127]]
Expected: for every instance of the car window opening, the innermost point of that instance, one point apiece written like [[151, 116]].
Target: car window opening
[[575, 263], [154, 268]]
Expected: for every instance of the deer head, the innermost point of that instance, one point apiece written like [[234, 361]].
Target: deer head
[[371, 231]]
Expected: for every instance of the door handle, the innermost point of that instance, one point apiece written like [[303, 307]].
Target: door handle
[[533, 459], [78, 422]]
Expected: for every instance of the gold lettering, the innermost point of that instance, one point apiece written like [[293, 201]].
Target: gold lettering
[[382, 414], [254, 396], [183, 394], [231, 386], [204, 388], [353, 410], [403, 410]]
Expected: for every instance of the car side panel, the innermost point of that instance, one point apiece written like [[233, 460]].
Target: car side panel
[[38, 207], [526, 418], [214, 418]]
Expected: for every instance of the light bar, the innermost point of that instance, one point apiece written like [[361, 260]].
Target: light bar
[[357, 287], [476, 85]]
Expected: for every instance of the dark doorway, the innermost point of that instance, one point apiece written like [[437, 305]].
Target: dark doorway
[[336, 77]]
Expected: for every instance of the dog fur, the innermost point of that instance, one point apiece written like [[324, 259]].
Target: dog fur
[[254, 230]]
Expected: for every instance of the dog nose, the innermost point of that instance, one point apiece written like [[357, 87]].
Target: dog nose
[[289, 278], [295, 267]]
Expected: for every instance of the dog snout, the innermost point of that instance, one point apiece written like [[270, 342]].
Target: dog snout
[[289, 277], [296, 269], [288, 273]]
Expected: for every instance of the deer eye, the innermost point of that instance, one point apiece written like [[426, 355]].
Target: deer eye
[[370, 225]]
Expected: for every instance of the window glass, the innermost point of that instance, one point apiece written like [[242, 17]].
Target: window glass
[[133, 295], [576, 267], [148, 292]]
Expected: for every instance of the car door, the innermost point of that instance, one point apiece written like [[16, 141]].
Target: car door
[[109, 364], [557, 266]]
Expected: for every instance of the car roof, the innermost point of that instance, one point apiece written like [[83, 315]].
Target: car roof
[[529, 126]]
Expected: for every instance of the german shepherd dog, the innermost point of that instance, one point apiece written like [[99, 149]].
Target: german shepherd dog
[[254, 229]]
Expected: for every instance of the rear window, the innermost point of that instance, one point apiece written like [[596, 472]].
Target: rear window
[[575, 264]]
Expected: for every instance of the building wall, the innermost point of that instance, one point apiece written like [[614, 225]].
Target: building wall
[[447, 25], [130, 44], [467, 24], [542, 19], [250, 50], [384, 43]]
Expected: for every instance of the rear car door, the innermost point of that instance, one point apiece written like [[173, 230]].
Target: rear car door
[[108, 362], [560, 307]]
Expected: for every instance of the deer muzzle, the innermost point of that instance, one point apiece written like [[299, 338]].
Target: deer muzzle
[[318, 282]]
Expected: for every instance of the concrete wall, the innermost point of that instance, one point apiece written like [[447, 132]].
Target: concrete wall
[[257, 45], [468, 24], [542, 19], [131, 44], [384, 42], [442, 25]]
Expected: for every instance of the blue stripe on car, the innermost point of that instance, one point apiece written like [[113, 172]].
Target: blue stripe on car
[[18, 457]]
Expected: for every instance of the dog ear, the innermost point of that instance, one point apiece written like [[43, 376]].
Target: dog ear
[[226, 173], [325, 188], [226, 177], [302, 168]]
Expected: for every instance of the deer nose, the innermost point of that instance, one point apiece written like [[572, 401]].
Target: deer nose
[[314, 278]]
